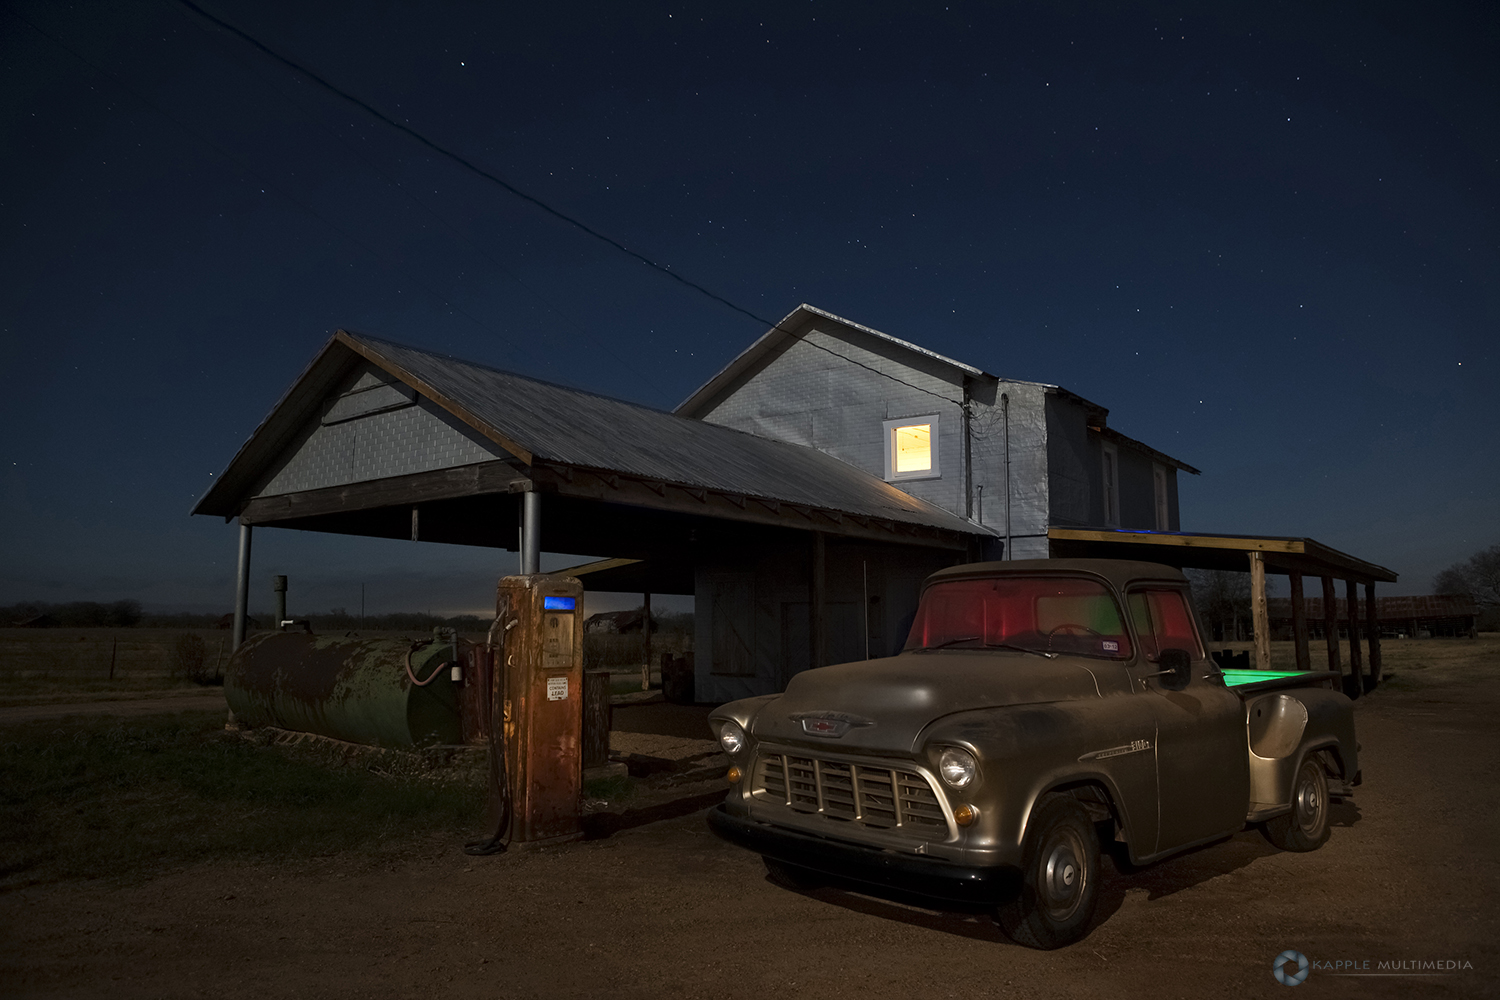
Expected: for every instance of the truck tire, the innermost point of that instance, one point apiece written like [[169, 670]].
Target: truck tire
[[791, 876], [1305, 828], [1059, 877]]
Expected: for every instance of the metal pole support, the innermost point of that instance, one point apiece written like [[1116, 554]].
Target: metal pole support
[[531, 533], [242, 588]]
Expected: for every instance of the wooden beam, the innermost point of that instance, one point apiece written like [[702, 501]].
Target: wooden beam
[[1331, 624], [1299, 623], [817, 595], [1183, 541], [1372, 627], [1259, 613], [396, 491], [1356, 667]]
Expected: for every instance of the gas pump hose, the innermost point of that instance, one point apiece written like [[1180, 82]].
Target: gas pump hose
[[499, 781]]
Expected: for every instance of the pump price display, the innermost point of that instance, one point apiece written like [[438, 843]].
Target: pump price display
[[557, 689]]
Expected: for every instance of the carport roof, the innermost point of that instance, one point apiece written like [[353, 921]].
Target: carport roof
[[542, 423], [1198, 550]]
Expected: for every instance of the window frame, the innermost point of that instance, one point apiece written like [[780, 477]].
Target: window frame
[[1161, 497], [890, 428], [1109, 462]]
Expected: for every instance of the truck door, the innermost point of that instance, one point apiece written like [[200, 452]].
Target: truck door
[[1203, 768]]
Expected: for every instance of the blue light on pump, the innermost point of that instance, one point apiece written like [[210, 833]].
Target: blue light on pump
[[558, 603]]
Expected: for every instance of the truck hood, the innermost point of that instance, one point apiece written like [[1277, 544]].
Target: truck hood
[[883, 705]]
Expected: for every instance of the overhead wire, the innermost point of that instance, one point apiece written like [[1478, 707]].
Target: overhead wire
[[441, 220], [493, 178], [259, 178]]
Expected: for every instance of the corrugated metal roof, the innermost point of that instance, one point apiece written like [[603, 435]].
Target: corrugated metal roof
[[546, 422]]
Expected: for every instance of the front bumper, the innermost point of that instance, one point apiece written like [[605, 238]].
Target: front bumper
[[934, 878]]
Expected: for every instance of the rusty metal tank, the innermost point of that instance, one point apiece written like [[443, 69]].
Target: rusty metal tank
[[388, 692]]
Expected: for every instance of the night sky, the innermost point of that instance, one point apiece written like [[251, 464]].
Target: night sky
[[1264, 236]]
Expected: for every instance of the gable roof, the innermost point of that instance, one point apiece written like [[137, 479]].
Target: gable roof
[[537, 421], [784, 331], [789, 328]]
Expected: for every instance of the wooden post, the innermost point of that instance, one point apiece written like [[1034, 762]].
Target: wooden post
[[1299, 623], [1372, 628], [114, 648], [597, 718], [817, 595], [1331, 624], [646, 642], [1356, 667], [1259, 613]]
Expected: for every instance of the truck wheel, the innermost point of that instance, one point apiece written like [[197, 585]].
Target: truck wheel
[[1305, 828], [791, 877], [1060, 871]]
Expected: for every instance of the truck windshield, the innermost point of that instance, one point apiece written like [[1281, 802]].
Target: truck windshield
[[1044, 614]]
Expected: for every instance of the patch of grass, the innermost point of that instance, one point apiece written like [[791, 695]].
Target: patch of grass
[[106, 797], [614, 789]]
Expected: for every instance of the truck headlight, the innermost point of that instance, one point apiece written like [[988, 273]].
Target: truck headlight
[[731, 737], [958, 767]]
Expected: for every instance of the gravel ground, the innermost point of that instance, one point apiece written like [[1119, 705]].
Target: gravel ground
[[663, 909]]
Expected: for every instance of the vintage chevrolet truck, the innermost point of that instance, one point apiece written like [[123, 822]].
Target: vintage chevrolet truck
[[1037, 708]]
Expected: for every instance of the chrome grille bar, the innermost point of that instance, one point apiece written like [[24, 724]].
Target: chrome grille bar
[[871, 795]]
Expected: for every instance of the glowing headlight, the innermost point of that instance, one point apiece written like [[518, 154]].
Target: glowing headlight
[[957, 767], [731, 737]]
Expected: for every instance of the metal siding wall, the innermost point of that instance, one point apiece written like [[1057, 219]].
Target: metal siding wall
[[1069, 483], [415, 438], [810, 397], [1028, 462], [781, 594], [1137, 491]]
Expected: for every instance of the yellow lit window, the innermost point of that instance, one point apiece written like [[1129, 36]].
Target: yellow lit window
[[913, 448]]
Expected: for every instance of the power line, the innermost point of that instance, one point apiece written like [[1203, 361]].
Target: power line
[[530, 198], [459, 234], [259, 178]]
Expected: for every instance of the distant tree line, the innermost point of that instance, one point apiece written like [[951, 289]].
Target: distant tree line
[[1222, 600], [1477, 578], [77, 614], [128, 614]]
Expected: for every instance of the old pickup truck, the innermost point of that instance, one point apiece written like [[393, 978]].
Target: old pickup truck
[[1038, 709]]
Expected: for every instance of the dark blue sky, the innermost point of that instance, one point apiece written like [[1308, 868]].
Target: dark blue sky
[[1264, 236]]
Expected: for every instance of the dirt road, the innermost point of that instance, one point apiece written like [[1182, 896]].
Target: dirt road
[[665, 910]]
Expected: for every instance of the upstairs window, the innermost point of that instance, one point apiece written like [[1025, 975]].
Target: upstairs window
[[1110, 475], [911, 448], [1159, 490]]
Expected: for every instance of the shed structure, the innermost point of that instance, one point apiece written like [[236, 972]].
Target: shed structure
[[800, 496]]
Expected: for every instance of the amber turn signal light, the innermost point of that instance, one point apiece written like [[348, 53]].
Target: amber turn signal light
[[734, 776], [965, 814]]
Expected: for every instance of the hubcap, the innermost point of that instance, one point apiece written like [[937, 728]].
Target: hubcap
[[1063, 877], [1309, 805]]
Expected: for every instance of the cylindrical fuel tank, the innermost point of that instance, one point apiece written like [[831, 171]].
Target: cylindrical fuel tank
[[349, 688]]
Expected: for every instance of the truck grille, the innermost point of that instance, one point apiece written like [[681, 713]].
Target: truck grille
[[868, 794]]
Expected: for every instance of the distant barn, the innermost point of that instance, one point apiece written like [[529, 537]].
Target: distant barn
[[1409, 617]]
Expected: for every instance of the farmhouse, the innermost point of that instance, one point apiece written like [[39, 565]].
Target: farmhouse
[[800, 496]]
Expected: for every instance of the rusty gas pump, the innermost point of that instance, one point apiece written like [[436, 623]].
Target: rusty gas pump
[[537, 704]]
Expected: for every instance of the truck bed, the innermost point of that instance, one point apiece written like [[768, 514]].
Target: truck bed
[[1247, 682]]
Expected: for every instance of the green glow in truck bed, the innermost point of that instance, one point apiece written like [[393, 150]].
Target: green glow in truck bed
[[1234, 678]]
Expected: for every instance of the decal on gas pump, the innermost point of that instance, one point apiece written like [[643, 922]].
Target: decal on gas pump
[[557, 688]]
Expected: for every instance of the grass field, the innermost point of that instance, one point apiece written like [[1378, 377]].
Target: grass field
[[100, 797]]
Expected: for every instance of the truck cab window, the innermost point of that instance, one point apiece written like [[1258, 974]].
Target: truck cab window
[[1044, 614], [1162, 621]]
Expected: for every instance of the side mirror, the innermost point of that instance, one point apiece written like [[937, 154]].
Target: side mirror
[[1176, 669]]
